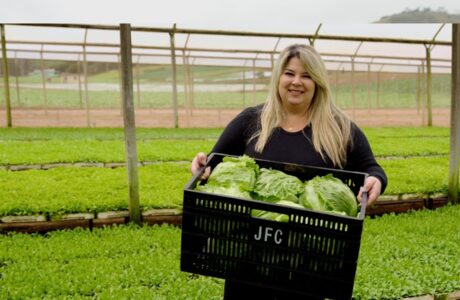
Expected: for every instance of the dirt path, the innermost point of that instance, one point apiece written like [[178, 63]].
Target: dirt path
[[200, 117]]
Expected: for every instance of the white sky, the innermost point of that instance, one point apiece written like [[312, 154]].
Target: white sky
[[257, 15], [338, 17]]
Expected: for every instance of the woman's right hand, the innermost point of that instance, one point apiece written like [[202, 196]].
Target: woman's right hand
[[198, 162]]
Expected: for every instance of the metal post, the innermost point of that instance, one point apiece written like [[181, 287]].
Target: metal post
[[418, 90], [186, 81], [272, 59], [17, 71], [138, 75], [378, 86], [79, 81], [244, 85], [85, 74], [369, 86], [6, 82], [120, 83], [423, 92], [45, 96], [254, 81], [455, 117], [187, 88], [129, 122], [191, 83], [313, 39], [337, 84], [428, 86], [353, 92], [174, 83]]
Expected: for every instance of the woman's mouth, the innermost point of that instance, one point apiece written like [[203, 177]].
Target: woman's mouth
[[295, 92]]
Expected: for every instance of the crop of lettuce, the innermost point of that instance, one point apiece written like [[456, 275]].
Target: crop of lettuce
[[401, 256], [424, 171], [34, 134], [71, 190], [378, 133], [410, 146], [56, 151], [410, 254], [124, 262], [423, 175], [42, 151], [66, 190]]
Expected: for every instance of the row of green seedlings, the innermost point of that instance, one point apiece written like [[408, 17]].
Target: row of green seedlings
[[401, 256], [62, 190], [113, 151]]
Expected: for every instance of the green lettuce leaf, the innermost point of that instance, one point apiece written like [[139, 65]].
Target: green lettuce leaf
[[273, 185], [327, 193], [231, 191], [239, 172], [268, 215]]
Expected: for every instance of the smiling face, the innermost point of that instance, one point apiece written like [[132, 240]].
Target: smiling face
[[296, 89]]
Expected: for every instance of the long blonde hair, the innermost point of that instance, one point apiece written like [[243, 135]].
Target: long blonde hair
[[330, 126]]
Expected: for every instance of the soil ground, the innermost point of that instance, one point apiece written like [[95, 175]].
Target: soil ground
[[202, 117]]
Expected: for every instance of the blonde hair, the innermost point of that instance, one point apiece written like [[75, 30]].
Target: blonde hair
[[330, 126]]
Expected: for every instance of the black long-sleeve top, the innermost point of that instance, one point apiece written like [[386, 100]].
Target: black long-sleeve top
[[294, 147]]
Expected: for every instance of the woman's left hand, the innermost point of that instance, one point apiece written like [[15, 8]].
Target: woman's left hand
[[373, 186]]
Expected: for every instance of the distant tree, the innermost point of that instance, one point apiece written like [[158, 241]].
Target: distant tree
[[421, 15]]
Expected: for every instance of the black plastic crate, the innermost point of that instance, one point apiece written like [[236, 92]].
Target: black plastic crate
[[314, 254]]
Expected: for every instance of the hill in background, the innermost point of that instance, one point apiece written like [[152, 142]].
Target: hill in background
[[421, 15]]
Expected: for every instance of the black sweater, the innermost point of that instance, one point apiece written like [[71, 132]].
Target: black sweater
[[294, 147]]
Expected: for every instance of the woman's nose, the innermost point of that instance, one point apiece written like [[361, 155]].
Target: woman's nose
[[296, 80]]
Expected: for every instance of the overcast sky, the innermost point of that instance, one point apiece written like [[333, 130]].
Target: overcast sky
[[259, 15]]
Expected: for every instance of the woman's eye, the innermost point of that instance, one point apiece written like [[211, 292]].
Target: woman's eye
[[288, 73], [306, 76]]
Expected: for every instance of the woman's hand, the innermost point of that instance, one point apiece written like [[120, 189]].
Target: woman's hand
[[198, 162], [373, 187]]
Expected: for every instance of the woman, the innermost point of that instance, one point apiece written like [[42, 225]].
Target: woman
[[297, 124], [300, 124]]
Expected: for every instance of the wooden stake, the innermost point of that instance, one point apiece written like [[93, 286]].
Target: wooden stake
[[9, 122], [455, 117], [129, 122]]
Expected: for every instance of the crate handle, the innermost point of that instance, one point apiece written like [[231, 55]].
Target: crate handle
[[362, 212]]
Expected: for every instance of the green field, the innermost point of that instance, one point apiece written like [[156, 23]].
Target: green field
[[401, 256], [390, 93], [415, 159]]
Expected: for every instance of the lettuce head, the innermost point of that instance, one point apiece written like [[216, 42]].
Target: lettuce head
[[239, 172], [274, 185], [327, 193]]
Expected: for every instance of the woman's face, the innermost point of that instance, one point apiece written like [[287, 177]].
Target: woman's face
[[296, 88]]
